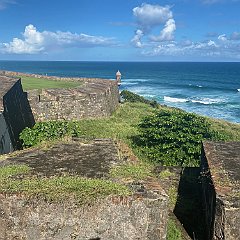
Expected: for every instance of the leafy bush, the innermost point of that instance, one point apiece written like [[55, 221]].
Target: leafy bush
[[51, 130], [132, 97], [173, 137]]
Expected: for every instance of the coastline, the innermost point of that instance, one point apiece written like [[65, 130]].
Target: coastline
[[214, 109]]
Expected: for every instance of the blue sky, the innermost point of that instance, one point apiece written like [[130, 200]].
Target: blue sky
[[120, 30]]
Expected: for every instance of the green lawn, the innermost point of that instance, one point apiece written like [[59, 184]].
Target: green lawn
[[30, 83]]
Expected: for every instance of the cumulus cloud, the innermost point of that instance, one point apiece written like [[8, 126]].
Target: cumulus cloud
[[34, 41], [5, 3], [167, 34], [137, 38], [151, 16], [222, 37], [223, 47]]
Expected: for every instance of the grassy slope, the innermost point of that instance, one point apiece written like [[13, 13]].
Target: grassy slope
[[30, 83], [123, 124]]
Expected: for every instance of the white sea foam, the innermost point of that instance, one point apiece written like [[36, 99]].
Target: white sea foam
[[171, 99], [148, 95], [124, 83], [137, 80], [238, 90], [208, 101]]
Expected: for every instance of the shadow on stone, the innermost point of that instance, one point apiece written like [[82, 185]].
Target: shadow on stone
[[189, 208], [17, 113]]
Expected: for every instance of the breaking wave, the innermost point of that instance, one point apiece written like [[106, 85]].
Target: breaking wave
[[171, 99], [204, 101]]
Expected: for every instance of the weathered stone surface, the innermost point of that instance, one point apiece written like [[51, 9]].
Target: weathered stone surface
[[90, 100], [221, 189], [88, 158], [114, 218], [6, 84], [143, 215]]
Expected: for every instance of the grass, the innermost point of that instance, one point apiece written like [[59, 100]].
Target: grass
[[13, 170], [132, 171], [173, 232], [30, 83], [165, 174], [231, 130], [121, 125], [55, 189]]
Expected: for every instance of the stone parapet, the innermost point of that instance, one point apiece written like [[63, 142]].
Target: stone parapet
[[90, 100], [221, 189]]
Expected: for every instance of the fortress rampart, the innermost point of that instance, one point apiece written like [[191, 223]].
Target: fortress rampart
[[221, 189], [90, 100], [93, 98]]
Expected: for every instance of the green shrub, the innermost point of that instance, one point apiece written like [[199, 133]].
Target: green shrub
[[132, 97], [173, 137], [46, 131]]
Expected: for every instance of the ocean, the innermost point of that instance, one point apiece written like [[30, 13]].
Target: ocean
[[210, 89]]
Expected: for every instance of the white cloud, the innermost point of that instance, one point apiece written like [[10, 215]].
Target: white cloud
[[167, 34], [136, 40], [32, 43], [4, 3], [222, 37], [223, 47], [151, 16], [36, 42]]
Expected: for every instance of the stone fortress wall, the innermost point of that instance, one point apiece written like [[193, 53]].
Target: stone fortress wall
[[15, 113], [220, 169], [93, 98]]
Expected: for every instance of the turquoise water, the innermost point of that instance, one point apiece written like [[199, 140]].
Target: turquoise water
[[211, 89]]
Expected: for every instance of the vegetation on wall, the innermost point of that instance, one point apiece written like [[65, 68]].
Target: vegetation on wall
[[164, 135], [57, 188], [47, 131], [30, 83]]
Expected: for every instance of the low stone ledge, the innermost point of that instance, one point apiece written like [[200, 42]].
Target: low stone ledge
[[141, 215], [114, 218]]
